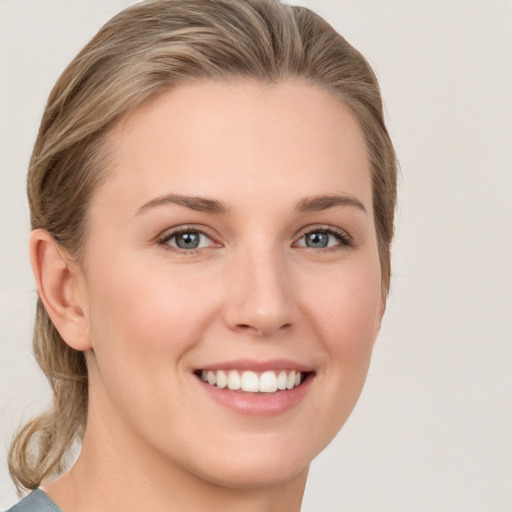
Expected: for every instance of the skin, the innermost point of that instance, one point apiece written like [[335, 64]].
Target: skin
[[148, 314]]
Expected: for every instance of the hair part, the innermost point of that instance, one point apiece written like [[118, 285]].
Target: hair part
[[144, 50]]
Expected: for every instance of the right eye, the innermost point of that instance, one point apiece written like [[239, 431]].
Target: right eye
[[186, 240]]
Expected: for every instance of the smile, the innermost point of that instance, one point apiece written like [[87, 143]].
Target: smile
[[253, 382]]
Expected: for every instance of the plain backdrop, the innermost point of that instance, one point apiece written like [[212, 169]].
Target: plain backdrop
[[433, 428]]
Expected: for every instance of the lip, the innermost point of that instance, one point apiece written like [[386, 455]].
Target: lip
[[258, 404], [258, 366]]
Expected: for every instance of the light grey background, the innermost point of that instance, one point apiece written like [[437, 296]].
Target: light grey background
[[433, 428]]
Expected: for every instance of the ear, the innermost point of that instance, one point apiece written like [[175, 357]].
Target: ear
[[60, 284]]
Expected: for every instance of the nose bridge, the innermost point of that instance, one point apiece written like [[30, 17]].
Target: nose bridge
[[261, 300]]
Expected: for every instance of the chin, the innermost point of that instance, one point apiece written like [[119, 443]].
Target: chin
[[251, 465], [251, 474]]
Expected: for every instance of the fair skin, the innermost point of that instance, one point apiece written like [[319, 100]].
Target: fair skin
[[274, 269]]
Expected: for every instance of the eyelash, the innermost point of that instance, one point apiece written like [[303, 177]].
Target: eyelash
[[344, 239], [164, 239]]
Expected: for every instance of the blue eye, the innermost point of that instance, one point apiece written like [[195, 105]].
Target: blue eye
[[317, 240], [187, 240], [324, 239]]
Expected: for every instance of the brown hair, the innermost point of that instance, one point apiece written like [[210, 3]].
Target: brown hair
[[141, 51]]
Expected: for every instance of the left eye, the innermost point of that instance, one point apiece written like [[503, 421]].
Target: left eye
[[321, 239], [188, 240]]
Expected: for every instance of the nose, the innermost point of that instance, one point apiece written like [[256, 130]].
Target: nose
[[260, 295]]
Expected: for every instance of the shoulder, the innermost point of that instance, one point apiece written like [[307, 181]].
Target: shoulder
[[36, 501]]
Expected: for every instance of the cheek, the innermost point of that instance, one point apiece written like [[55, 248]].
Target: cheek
[[347, 309], [144, 306], [143, 321], [347, 318]]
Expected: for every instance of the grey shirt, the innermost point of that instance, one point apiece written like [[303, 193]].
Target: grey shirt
[[36, 501]]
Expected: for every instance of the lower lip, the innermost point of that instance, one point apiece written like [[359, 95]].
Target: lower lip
[[258, 404]]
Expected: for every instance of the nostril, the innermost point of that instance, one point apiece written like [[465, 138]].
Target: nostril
[[261, 330]]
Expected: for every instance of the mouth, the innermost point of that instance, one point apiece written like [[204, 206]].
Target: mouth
[[256, 388], [248, 381]]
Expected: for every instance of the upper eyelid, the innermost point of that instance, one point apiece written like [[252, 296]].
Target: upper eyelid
[[169, 233], [324, 227], [163, 240]]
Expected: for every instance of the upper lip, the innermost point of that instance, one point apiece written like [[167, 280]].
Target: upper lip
[[257, 366]]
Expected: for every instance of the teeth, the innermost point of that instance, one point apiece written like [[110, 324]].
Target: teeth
[[290, 381], [234, 380], [252, 382], [222, 379], [212, 378], [281, 380], [268, 382]]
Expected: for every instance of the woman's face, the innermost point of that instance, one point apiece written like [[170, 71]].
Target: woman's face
[[233, 240]]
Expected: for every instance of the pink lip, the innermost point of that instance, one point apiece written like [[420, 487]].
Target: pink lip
[[257, 366]]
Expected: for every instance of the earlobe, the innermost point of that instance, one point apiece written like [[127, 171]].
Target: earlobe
[[59, 285]]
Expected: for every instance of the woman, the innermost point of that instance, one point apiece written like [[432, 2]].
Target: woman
[[212, 195]]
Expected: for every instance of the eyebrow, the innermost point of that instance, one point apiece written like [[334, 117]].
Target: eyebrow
[[203, 204], [199, 204], [319, 203]]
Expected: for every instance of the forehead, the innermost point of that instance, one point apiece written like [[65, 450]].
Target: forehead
[[239, 139]]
